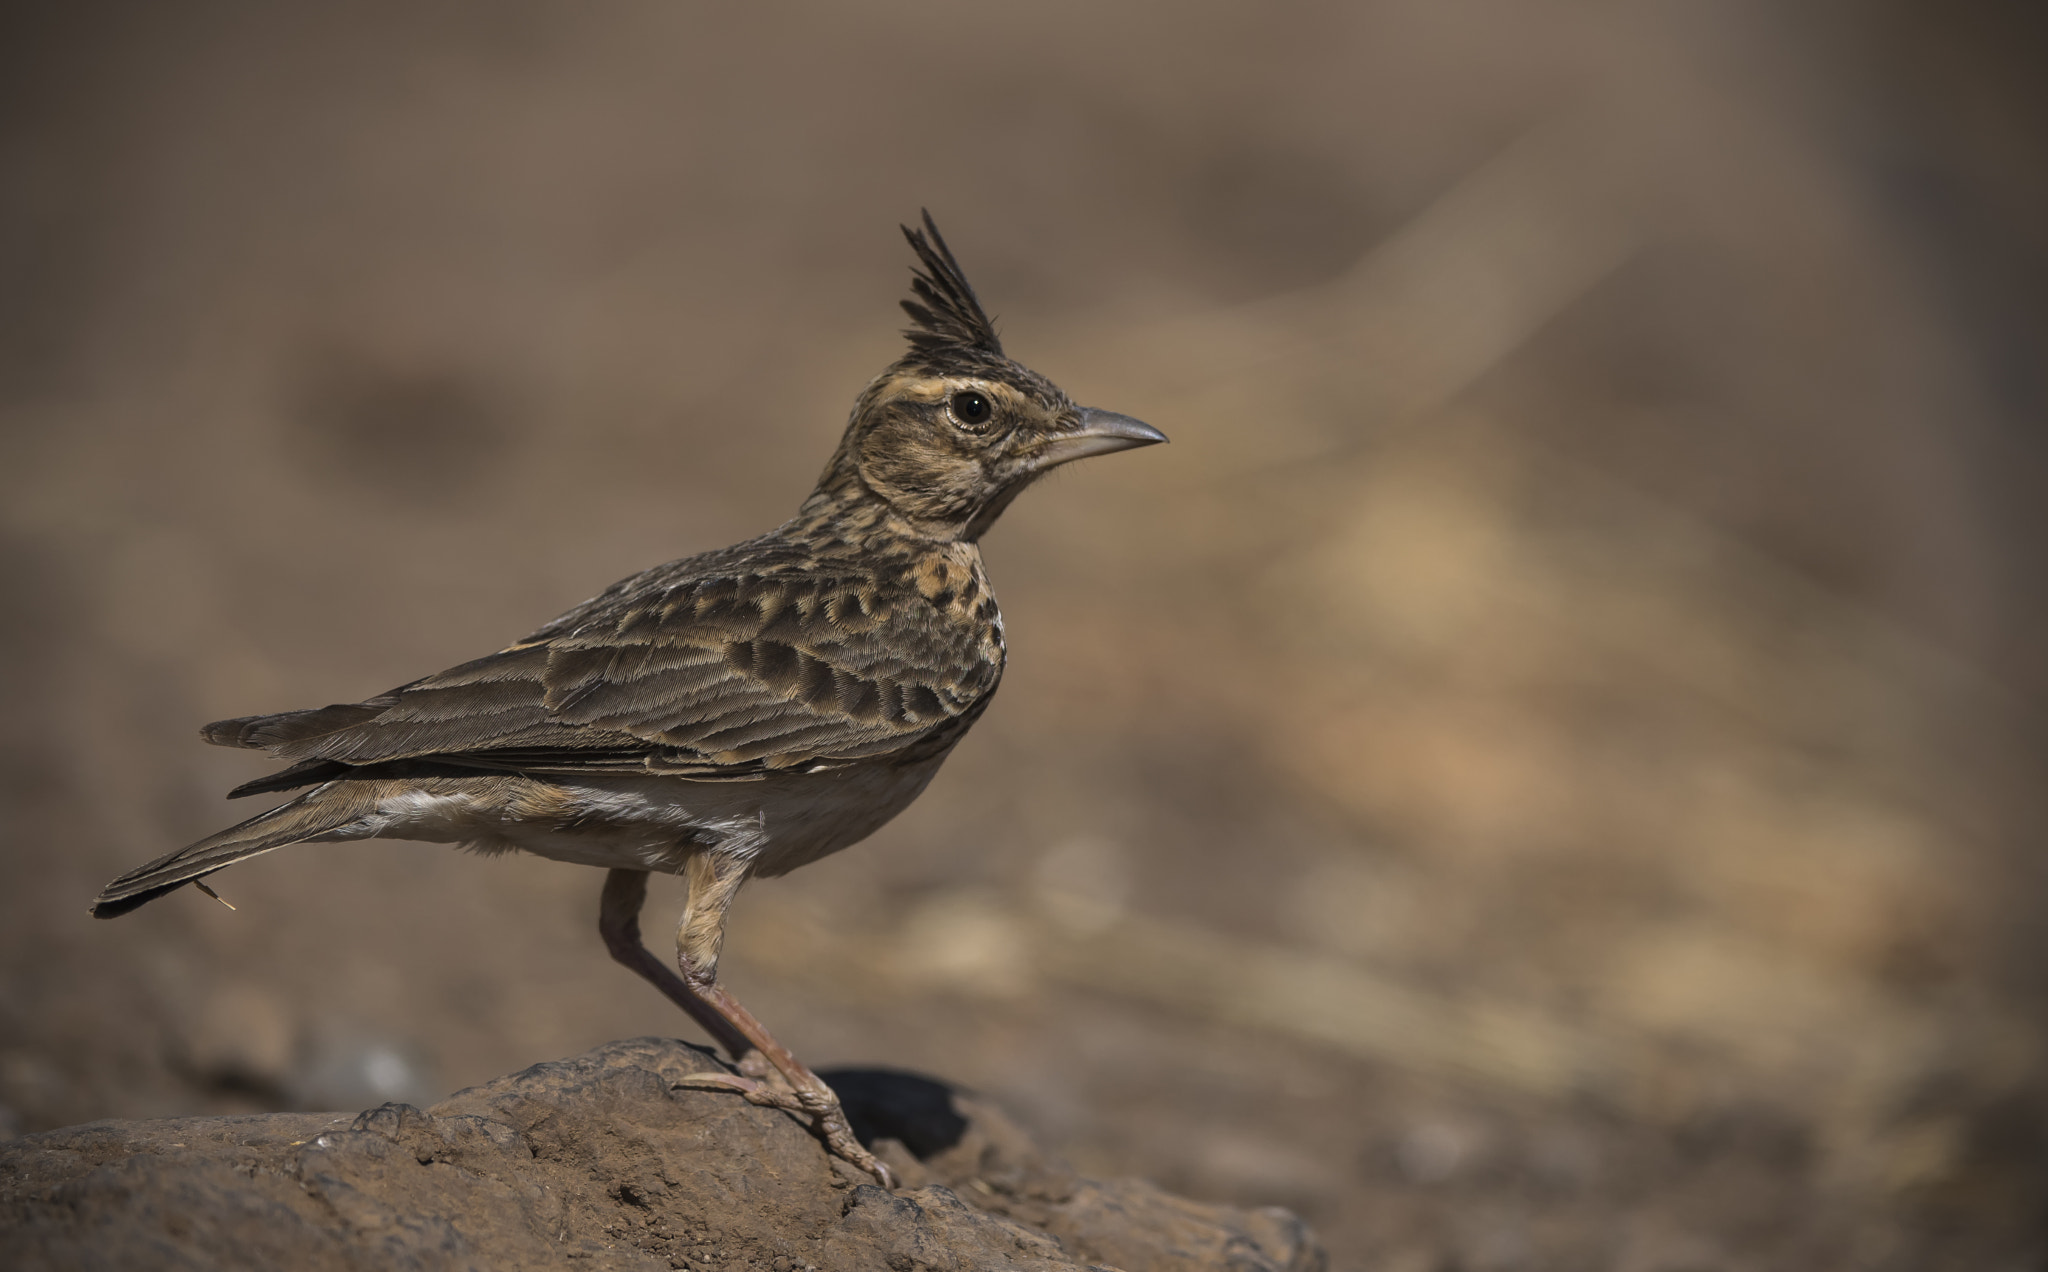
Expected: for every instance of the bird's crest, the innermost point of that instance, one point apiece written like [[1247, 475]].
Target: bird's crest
[[948, 315]]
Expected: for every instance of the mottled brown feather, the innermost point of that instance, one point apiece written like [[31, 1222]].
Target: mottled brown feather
[[718, 666]]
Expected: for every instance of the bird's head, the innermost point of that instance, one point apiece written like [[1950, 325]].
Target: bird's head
[[951, 432]]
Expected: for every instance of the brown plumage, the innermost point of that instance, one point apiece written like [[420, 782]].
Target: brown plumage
[[736, 713]]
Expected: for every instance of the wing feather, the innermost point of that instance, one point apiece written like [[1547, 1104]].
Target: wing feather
[[721, 674]]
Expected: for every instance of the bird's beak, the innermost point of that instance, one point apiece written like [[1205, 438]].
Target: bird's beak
[[1100, 432]]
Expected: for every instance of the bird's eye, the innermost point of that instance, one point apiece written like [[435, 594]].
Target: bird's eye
[[970, 408]]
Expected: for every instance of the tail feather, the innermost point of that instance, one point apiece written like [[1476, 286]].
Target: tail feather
[[318, 811], [304, 773], [266, 731]]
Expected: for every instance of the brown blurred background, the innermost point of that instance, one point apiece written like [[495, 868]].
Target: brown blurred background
[[1544, 772]]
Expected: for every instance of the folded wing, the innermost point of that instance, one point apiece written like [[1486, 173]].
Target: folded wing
[[720, 677]]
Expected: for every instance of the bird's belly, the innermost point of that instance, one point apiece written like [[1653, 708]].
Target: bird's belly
[[776, 823], [818, 820]]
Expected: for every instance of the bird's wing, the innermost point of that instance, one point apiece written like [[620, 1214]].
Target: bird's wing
[[710, 677]]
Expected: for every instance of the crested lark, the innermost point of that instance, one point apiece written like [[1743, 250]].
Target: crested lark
[[738, 713]]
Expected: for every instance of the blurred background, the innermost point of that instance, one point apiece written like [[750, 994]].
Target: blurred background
[[1544, 772]]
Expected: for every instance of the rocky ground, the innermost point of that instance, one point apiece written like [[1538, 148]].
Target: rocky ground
[[603, 1161]]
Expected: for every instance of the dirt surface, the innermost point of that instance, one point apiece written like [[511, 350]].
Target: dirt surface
[[604, 1161], [1543, 772]]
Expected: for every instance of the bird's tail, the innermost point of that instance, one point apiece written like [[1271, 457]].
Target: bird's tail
[[325, 808]]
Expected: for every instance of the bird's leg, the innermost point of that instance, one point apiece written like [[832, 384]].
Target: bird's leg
[[618, 920], [713, 881]]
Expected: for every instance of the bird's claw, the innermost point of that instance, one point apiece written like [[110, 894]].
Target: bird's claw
[[752, 1090], [827, 1117], [830, 1119]]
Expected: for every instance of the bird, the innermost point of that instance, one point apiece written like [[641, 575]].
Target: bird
[[733, 714]]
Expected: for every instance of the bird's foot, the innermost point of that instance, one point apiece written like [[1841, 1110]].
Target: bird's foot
[[755, 1090], [832, 1126], [822, 1106]]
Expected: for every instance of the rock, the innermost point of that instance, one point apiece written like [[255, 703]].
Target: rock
[[602, 1162]]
